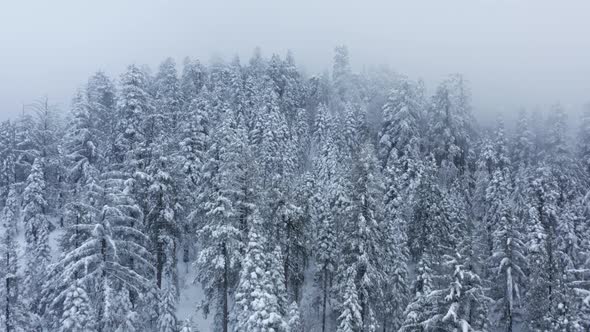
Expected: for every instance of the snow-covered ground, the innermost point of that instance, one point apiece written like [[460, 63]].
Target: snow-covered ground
[[191, 295]]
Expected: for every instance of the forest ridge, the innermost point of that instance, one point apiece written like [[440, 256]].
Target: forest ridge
[[341, 202]]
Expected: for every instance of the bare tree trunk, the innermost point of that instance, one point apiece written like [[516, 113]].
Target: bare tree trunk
[[225, 291], [8, 327], [324, 300]]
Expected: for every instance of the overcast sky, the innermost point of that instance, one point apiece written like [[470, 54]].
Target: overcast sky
[[514, 53]]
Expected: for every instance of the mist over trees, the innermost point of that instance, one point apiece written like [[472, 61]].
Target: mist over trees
[[256, 198]]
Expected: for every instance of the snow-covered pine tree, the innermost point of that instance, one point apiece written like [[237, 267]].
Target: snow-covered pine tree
[[362, 241], [292, 97], [320, 130], [327, 205], [351, 123], [294, 323], [401, 129], [430, 217], [161, 221], [558, 156], [134, 108], [167, 321], [13, 313], [111, 262], [396, 283], [342, 74], [276, 155], [81, 139], [192, 80], [537, 290], [102, 108], [542, 196], [325, 253], [423, 305], [218, 230], [8, 155], [277, 305], [431, 237], [196, 137], [168, 97], [25, 146], [351, 317], [187, 326], [257, 303], [485, 166], [194, 142], [82, 159], [449, 122], [580, 274], [522, 152], [77, 313], [507, 262], [467, 303], [36, 229]]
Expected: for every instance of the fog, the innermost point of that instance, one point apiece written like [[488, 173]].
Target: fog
[[520, 53]]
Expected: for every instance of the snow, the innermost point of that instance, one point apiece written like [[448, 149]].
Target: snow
[[191, 295]]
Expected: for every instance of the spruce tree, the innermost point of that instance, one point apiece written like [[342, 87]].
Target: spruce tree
[[401, 130], [218, 233], [77, 313], [14, 315], [258, 298], [450, 123], [396, 284], [508, 262], [362, 242], [36, 229]]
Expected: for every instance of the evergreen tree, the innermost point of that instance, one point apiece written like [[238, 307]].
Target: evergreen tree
[[423, 305], [523, 153], [401, 130], [101, 99], [326, 253], [450, 123], [36, 229], [192, 80], [351, 317], [167, 310], [161, 221], [430, 217], [508, 262], [135, 108], [219, 233], [257, 301], [9, 156], [341, 73], [294, 323], [111, 260], [14, 316], [362, 239], [396, 284], [77, 314], [169, 96]]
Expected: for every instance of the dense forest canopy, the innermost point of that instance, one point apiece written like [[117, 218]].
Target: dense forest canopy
[[247, 196]]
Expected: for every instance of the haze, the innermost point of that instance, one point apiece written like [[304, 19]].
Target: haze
[[515, 54]]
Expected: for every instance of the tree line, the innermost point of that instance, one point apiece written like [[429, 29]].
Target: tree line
[[338, 202]]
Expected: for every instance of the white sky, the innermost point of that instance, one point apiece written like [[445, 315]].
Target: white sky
[[514, 53]]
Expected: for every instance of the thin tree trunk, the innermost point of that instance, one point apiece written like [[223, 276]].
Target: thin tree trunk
[[225, 291], [8, 327], [324, 300], [287, 252]]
